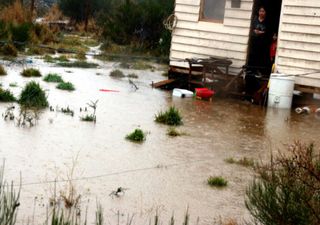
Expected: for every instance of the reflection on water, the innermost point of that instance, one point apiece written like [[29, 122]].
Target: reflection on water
[[165, 174]]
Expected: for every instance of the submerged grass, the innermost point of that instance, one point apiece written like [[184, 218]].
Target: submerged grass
[[67, 86], [31, 73], [171, 117], [117, 74], [13, 85], [78, 64], [6, 96], [173, 132], [217, 181], [33, 96], [53, 78], [246, 162], [2, 71], [88, 118], [136, 136], [133, 76]]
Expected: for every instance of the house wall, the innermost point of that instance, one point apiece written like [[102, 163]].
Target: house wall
[[299, 40], [194, 38]]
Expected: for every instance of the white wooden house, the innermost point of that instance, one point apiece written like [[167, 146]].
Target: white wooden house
[[222, 28]]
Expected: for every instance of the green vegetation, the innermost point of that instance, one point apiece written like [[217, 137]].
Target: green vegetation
[[173, 132], [171, 117], [246, 162], [31, 73], [141, 65], [67, 86], [13, 85], [286, 190], [136, 136], [6, 96], [217, 182], [81, 56], [2, 71], [9, 50], [50, 59], [133, 76], [88, 118], [33, 96], [53, 78], [117, 74], [78, 64]]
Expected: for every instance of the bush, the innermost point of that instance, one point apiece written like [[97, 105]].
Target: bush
[[287, 190], [31, 73], [217, 182], [67, 86], [53, 78], [136, 136], [2, 71], [6, 96], [117, 74], [9, 50], [33, 96], [20, 32], [171, 117]]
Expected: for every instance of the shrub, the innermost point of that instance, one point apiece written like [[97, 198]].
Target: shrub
[[217, 182], [89, 118], [79, 64], [31, 73], [53, 78], [133, 76], [9, 50], [2, 71], [81, 55], [6, 96], [20, 32], [136, 136], [286, 190], [67, 86], [33, 96], [171, 117], [117, 74]]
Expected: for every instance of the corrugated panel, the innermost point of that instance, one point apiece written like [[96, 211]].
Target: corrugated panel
[[299, 40]]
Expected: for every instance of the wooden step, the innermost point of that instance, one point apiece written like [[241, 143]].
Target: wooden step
[[162, 83]]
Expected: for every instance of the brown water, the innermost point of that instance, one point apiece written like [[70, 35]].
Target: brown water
[[165, 174]]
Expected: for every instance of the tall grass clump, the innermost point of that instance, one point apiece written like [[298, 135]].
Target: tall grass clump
[[66, 86], [31, 73], [53, 78], [136, 136], [217, 182], [9, 50], [170, 117], [2, 71], [33, 96], [287, 189], [6, 96]]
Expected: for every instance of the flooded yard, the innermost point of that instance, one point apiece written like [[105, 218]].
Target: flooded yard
[[163, 174]]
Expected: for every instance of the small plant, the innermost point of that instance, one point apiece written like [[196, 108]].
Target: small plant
[[81, 55], [53, 78], [88, 118], [91, 117], [67, 111], [117, 74], [78, 64], [67, 86], [9, 50], [13, 85], [31, 73], [2, 71], [140, 65], [133, 76], [173, 132], [136, 136], [217, 181], [246, 162], [6, 96], [171, 117], [33, 96]]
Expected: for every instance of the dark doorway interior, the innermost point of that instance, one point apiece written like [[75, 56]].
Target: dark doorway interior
[[273, 11]]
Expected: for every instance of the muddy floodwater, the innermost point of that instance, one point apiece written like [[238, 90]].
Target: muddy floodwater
[[163, 174]]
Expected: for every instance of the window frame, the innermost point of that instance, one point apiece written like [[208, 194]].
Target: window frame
[[201, 18]]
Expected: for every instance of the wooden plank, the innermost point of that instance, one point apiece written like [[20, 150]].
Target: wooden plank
[[163, 83]]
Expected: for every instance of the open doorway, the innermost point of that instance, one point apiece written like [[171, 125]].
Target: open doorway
[[258, 58]]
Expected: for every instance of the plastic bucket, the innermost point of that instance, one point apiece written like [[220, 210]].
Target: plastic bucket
[[281, 91]]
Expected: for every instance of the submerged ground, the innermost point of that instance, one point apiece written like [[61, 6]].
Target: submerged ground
[[163, 174]]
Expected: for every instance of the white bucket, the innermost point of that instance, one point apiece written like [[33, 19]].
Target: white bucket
[[182, 93], [281, 91]]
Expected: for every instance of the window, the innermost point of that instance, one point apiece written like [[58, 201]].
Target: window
[[212, 10]]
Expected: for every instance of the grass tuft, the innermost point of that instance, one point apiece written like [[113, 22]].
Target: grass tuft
[[88, 118], [33, 96], [217, 181], [6, 96], [78, 64], [117, 74], [2, 71], [173, 132], [31, 73], [246, 162], [171, 117], [133, 76], [53, 78], [136, 136], [66, 86]]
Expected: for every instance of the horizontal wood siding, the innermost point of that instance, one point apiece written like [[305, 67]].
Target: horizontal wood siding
[[299, 41], [194, 38]]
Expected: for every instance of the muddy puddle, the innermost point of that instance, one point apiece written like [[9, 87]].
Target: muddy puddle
[[163, 174]]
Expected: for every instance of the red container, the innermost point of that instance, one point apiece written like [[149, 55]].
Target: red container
[[204, 92]]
